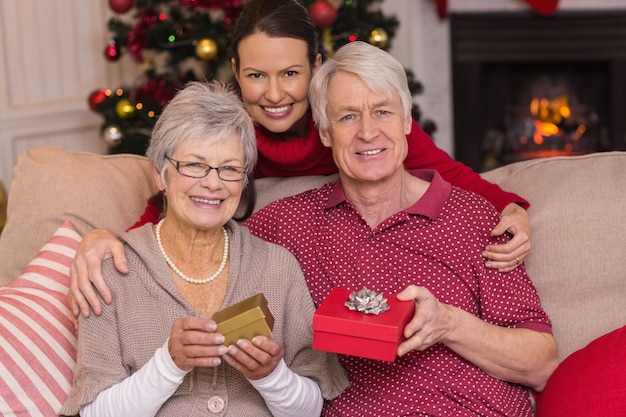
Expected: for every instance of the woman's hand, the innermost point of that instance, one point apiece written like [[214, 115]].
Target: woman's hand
[[86, 269], [193, 342], [255, 358], [507, 257]]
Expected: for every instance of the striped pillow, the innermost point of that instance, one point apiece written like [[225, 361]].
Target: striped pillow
[[37, 337]]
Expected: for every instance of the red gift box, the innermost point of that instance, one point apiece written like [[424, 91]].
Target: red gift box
[[338, 329]]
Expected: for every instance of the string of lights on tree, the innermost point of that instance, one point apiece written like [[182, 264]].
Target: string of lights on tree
[[176, 41]]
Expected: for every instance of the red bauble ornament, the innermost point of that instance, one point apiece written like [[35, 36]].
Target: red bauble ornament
[[120, 6], [96, 97], [112, 52], [323, 13]]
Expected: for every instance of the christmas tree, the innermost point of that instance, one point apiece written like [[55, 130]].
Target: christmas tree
[[176, 41]]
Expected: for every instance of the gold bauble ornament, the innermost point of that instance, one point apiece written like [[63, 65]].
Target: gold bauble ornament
[[206, 49], [125, 109], [327, 42], [379, 37]]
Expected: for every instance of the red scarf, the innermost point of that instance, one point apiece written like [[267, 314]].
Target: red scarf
[[301, 156]]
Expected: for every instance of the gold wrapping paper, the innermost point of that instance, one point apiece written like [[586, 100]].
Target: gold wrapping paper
[[244, 320]]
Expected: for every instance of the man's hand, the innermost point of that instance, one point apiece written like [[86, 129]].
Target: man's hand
[[430, 324], [86, 271], [517, 355], [507, 257]]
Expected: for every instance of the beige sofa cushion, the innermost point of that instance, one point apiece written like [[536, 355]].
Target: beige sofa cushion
[[578, 260], [50, 185], [271, 189]]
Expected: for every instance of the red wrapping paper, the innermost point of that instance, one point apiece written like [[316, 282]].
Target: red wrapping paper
[[340, 330]]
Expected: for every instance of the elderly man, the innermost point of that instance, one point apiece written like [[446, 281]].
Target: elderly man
[[479, 338]]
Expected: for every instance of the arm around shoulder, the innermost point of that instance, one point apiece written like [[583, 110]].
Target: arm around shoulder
[[86, 270], [424, 154]]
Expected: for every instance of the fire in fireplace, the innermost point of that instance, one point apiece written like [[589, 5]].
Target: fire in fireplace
[[538, 111], [528, 87]]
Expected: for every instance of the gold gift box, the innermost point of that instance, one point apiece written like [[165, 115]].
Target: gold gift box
[[244, 320]]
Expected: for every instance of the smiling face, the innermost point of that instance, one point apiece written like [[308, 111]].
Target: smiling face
[[203, 203], [367, 130], [274, 76]]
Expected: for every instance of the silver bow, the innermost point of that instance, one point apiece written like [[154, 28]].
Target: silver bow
[[367, 302]]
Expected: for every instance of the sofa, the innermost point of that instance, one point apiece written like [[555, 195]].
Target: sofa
[[578, 264]]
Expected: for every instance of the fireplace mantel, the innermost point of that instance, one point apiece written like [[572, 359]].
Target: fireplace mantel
[[505, 64], [432, 60]]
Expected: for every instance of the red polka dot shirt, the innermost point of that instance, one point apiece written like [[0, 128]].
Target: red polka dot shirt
[[436, 243]]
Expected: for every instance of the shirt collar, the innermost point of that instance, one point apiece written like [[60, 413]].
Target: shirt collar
[[429, 205]]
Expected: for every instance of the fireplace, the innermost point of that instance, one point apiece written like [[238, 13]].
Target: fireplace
[[526, 86]]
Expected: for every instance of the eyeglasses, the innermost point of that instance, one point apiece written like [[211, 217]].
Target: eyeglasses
[[200, 170]]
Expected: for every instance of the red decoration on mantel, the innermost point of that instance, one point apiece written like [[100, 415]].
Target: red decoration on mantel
[[544, 7], [442, 8]]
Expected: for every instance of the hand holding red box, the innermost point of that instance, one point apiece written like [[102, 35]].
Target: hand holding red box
[[338, 329]]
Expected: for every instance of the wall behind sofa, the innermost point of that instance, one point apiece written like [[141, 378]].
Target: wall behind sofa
[[51, 57]]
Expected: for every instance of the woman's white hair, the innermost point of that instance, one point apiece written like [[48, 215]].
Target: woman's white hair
[[201, 110], [380, 72]]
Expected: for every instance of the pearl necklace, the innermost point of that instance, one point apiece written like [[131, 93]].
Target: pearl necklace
[[157, 233]]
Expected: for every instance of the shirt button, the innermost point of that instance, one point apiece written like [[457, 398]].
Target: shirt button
[[215, 404]]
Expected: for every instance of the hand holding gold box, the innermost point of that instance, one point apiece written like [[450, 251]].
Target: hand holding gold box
[[244, 320]]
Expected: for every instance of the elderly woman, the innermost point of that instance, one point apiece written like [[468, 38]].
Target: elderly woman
[[154, 350]]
